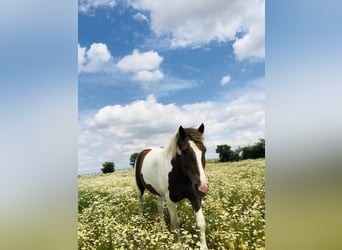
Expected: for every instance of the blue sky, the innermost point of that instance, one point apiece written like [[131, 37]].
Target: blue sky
[[146, 67]]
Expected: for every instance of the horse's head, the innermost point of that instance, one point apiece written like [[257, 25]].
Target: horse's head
[[191, 151]]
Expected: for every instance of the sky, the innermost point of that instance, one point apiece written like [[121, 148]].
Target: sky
[[147, 67]]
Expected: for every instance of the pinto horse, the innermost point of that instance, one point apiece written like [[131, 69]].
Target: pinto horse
[[174, 173]]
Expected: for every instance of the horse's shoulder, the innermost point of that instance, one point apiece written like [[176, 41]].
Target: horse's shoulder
[[178, 183]]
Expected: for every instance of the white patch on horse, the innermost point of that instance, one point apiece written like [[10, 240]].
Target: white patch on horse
[[153, 173], [198, 154], [200, 221]]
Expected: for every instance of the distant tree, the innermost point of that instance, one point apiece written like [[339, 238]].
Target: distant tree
[[108, 167], [248, 153], [259, 148], [133, 158], [238, 151], [226, 154], [255, 151], [223, 151]]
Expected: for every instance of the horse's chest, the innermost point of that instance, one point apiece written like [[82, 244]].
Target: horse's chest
[[179, 187]]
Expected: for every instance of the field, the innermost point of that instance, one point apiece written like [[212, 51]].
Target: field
[[234, 210]]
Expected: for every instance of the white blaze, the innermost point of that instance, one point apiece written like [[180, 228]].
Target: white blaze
[[198, 154]]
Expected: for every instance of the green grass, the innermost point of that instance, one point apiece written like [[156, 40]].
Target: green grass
[[234, 210]]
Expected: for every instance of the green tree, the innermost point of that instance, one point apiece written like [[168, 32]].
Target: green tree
[[133, 158], [226, 154], [260, 148], [248, 153], [255, 151], [108, 167]]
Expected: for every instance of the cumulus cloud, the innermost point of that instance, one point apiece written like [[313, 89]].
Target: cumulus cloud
[[140, 17], [145, 66], [197, 22], [136, 117], [140, 61], [85, 6], [149, 76], [225, 80], [115, 132], [94, 59], [252, 44], [81, 56], [90, 139]]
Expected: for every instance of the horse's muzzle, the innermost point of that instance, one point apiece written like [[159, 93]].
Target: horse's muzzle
[[202, 189]]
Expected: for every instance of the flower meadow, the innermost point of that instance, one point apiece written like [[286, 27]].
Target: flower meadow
[[234, 210]]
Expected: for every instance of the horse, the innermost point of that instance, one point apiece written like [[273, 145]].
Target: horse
[[174, 173]]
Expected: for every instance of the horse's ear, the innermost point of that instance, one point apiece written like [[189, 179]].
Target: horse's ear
[[181, 132], [201, 128]]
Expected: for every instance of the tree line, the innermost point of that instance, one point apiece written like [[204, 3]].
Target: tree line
[[241, 153], [225, 154]]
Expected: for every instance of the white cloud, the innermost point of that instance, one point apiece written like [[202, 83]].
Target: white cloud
[[81, 56], [85, 6], [140, 61], [89, 138], [140, 17], [145, 66], [125, 129], [139, 116], [149, 76], [94, 59], [225, 80], [198, 22], [252, 44]]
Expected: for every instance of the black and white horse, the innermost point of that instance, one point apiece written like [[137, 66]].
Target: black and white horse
[[174, 173]]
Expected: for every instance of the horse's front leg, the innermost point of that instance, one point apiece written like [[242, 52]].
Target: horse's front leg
[[161, 208], [200, 221], [175, 222]]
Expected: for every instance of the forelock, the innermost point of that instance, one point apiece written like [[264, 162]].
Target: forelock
[[194, 135]]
